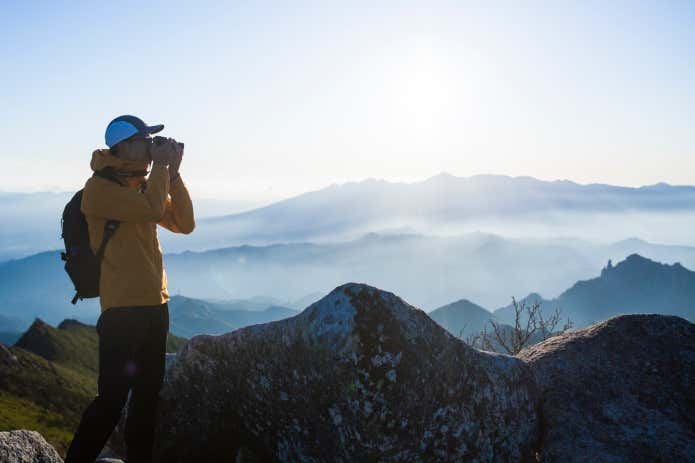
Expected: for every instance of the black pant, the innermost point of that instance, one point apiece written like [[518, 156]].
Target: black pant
[[132, 351]]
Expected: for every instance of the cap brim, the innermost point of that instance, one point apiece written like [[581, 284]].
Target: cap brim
[[154, 128]]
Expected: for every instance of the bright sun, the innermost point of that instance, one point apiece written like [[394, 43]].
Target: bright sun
[[425, 89]]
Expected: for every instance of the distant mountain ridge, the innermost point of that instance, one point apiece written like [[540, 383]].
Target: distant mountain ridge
[[635, 285], [439, 203], [498, 192], [461, 318], [189, 317], [484, 268]]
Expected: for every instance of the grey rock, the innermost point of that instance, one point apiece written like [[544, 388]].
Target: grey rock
[[168, 362], [618, 391], [6, 356], [24, 446], [359, 375]]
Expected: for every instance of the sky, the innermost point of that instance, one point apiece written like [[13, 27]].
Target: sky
[[273, 99]]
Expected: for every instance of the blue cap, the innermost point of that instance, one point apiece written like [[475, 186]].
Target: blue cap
[[124, 127]]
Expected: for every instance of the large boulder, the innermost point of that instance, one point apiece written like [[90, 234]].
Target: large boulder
[[359, 375], [24, 446], [618, 391]]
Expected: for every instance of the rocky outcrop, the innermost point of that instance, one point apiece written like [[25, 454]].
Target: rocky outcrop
[[359, 375], [6, 356], [23, 446], [618, 391]]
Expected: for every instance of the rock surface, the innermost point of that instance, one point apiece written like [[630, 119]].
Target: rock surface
[[622, 390], [23, 446], [6, 356], [359, 375]]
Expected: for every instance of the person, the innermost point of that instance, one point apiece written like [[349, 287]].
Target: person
[[134, 320]]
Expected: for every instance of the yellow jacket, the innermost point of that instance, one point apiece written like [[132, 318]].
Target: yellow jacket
[[132, 269]]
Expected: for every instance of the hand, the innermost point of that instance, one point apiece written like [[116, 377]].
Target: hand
[[175, 160]]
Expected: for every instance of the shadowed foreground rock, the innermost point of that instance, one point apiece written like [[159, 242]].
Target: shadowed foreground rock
[[622, 390], [23, 446], [358, 376]]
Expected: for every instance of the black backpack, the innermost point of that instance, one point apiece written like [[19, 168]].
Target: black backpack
[[82, 266]]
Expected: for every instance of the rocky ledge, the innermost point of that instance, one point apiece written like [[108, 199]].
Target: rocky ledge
[[622, 390], [360, 375]]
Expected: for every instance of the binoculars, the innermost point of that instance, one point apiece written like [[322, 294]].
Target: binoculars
[[158, 140]]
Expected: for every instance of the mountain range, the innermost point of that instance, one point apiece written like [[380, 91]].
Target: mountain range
[[189, 317], [635, 285], [429, 270], [443, 204]]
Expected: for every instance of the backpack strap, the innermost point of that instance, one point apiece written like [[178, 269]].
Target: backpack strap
[[109, 229], [110, 226]]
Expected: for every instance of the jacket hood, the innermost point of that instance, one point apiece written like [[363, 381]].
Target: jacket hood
[[103, 158]]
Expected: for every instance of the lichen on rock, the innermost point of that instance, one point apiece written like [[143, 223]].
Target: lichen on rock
[[359, 375], [25, 446], [618, 391]]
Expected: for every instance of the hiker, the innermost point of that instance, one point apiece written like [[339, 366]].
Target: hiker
[[133, 296]]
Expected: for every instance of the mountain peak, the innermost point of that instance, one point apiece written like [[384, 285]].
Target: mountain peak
[[635, 285], [532, 298], [38, 326], [465, 301], [461, 305], [634, 260], [636, 264], [66, 346], [656, 186], [442, 176], [69, 323], [629, 264]]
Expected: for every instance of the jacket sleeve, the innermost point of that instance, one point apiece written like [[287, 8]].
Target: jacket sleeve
[[178, 211], [109, 200]]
